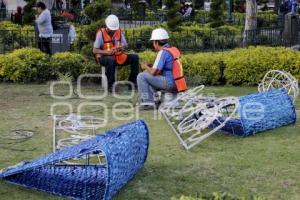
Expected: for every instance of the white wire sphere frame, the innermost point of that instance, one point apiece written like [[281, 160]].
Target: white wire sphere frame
[[276, 79]]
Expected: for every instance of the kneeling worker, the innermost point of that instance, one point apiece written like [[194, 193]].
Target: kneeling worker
[[108, 49], [165, 74]]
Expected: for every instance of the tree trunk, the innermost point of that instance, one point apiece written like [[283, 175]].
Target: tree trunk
[[250, 21]]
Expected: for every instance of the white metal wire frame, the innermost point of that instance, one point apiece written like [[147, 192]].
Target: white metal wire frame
[[276, 79], [191, 115], [69, 130]]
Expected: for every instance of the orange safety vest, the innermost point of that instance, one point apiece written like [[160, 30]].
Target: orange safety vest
[[177, 70], [108, 45]]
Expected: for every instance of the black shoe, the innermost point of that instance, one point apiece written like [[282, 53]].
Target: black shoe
[[110, 90], [147, 106]]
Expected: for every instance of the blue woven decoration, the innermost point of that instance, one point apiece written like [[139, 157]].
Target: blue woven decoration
[[260, 112], [125, 149]]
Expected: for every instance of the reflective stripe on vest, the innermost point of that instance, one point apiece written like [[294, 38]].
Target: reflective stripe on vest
[[108, 44], [177, 69]]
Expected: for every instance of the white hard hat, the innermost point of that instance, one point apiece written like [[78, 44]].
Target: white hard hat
[[112, 22], [159, 34]]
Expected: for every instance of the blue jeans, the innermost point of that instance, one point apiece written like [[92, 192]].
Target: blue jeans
[[149, 84]]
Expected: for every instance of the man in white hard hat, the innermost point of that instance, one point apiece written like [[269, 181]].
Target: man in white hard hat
[[109, 51], [165, 74]]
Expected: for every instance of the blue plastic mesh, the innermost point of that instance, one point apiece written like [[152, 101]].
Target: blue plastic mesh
[[125, 148], [262, 111], [86, 182]]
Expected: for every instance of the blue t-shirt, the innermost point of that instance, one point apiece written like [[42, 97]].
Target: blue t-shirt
[[164, 63]]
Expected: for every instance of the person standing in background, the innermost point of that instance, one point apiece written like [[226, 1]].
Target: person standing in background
[[17, 17], [44, 25]]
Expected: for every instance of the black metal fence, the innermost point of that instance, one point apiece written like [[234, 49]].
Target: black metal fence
[[16, 39], [139, 40], [267, 19], [132, 19], [5, 14], [187, 40], [271, 37], [263, 19], [126, 24]]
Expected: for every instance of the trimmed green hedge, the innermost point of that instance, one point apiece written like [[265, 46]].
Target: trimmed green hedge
[[72, 64], [31, 65], [25, 65], [245, 66], [238, 67], [248, 66]]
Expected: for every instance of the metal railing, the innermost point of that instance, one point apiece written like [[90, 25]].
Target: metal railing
[[16, 39], [132, 19], [200, 16], [186, 41], [6, 14], [263, 19], [271, 37], [126, 24]]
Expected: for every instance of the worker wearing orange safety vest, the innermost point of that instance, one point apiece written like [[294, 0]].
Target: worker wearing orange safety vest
[[109, 50], [165, 74]]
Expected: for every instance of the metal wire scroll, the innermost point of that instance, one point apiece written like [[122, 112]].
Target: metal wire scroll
[[73, 129], [191, 115]]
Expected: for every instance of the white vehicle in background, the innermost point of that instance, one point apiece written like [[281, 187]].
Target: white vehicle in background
[[207, 5]]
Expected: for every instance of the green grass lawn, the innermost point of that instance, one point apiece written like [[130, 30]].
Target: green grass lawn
[[267, 164]]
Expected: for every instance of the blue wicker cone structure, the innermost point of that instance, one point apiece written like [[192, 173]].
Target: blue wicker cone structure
[[262, 111], [125, 149], [196, 118]]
